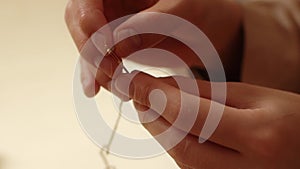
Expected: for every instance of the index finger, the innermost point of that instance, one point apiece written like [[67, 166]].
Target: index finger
[[83, 18], [179, 104]]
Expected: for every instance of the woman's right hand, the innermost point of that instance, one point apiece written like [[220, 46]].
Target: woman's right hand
[[220, 20], [85, 17]]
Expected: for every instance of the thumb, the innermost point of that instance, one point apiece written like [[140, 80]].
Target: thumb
[[145, 29]]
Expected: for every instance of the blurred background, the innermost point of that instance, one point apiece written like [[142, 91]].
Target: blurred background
[[38, 124]]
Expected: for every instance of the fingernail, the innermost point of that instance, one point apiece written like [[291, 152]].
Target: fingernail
[[122, 84], [133, 40]]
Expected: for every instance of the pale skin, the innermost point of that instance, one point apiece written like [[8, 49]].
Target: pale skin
[[259, 128]]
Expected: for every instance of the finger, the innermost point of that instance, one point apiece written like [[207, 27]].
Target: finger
[[139, 107], [188, 152], [91, 70], [111, 87], [167, 53], [83, 18], [234, 95], [92, 78], [119, 8], [97, 59], [89, 84], [136, 6], [183, 166], [102, 38], [179, 108], [145, 21], [180, 50], [87, 16]]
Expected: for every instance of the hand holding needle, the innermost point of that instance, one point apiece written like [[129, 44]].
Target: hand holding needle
[[104, 153], [117, 59]]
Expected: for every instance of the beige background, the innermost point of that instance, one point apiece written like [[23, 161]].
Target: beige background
[[38, 125]]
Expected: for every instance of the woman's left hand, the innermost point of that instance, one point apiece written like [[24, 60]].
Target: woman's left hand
[[259, 128]]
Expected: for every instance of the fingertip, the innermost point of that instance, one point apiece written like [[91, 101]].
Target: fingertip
[[113, 90], [91, 21], [90, 88], [122, 85]]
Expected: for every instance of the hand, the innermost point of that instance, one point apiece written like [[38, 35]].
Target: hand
[[259, 127], [220, 20], [83, 18]]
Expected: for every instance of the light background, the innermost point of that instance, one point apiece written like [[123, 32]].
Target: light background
[[38, 125]]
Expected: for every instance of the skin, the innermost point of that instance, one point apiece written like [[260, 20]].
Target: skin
[[259, 127], [84, 17]]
